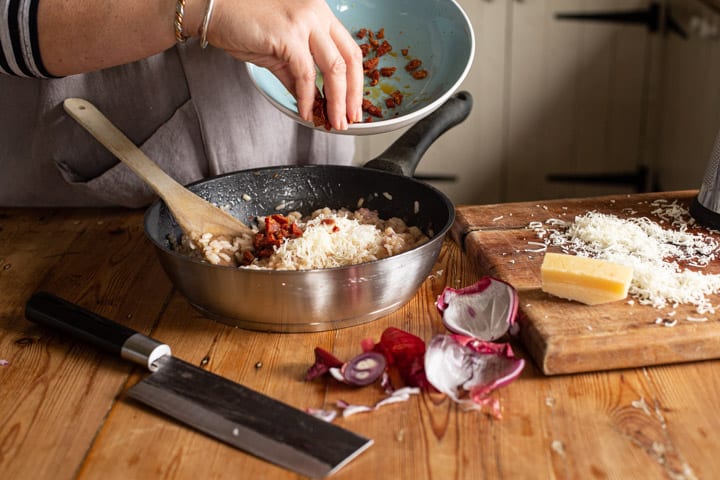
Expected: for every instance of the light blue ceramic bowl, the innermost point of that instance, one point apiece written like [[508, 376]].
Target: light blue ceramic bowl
[[438, 32]]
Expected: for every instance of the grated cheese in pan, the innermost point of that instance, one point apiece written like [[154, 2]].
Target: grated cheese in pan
[[343, 242], [330, 238], [659, 256]]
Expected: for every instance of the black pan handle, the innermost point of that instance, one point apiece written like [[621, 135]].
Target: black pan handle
[[405, 153], [54, 312]]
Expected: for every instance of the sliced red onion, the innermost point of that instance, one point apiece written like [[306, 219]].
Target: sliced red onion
[[348, 410], [324, 360], [322, 414], [364, 369], [467, 369], [337, 374], [484, 310], [399, 395], [386, 383]]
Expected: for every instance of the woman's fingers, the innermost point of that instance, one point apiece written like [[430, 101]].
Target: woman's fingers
[[334, 76], [303, 76], [339, 60], [354, 71]]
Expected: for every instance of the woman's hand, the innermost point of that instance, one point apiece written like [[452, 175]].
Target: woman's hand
[[289, 38]]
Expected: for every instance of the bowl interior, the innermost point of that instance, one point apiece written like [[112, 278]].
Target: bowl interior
[[437, 32]]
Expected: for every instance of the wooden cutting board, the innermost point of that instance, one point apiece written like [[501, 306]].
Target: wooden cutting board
[[569, 337]]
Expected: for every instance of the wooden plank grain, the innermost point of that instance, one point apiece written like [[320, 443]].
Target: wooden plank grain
[[55, 391], [568, 337]]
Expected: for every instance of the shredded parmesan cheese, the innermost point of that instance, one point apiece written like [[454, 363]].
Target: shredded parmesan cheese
[[331, 245]]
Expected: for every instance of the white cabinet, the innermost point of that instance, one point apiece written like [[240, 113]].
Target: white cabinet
[[575, 98], [689, 101], [570, 97]]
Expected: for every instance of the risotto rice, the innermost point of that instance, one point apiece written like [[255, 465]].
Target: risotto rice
[[330, 238]]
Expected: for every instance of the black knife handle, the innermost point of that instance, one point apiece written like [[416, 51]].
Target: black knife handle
[[51, 311]]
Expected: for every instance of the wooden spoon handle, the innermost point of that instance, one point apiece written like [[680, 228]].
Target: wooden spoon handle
[[122, 147], [193, 213]]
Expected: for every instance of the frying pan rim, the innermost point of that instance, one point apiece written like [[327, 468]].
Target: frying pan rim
[[155, 206]]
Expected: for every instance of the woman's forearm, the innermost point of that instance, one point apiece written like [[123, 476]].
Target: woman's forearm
[[289, 37], [84, 35]]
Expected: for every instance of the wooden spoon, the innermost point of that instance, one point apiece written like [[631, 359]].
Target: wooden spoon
[[193, 213]]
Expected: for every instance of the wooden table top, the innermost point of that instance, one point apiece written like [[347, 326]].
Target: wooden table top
[[64, 413]]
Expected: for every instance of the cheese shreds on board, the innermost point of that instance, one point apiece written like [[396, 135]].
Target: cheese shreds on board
[[587, 280], [665, 257]]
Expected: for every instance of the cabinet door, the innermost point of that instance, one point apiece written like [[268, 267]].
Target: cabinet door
[[576, 98]]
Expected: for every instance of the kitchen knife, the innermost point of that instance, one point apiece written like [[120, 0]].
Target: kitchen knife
[[212, 404]]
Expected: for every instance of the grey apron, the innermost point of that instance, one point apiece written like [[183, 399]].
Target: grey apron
[[194, 112]]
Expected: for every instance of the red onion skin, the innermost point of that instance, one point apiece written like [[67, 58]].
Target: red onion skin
[[324, 361], [500, 368], [443, 302]]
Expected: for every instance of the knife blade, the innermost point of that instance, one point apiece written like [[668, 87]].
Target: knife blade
[[228, 411]]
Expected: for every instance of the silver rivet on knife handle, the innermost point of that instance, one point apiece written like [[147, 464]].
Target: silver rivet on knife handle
[[144, 350]]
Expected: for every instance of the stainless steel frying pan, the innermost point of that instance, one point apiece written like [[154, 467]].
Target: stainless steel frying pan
[[324, 299]]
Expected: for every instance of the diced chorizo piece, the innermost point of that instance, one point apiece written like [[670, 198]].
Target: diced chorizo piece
[[397, 97], [383, 48], [272, 226], [277, 229], [370, 64], [390, 102], [404, 52], [387, 71], [247, 258], [371, 39], [375, 111], [374, 77], [319, 111], [365, 48], [295, 231], [370, 108], [413, 65], [419, 74], [361, 33], [380, 33], [281, 219]]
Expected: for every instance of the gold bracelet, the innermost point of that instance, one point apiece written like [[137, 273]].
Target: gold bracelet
[[206, 23], [179, 12]]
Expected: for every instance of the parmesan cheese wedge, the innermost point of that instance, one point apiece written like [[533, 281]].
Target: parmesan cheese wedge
[[586, 280]]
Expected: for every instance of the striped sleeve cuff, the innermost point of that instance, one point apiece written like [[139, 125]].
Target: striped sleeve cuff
[[19, 47]]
